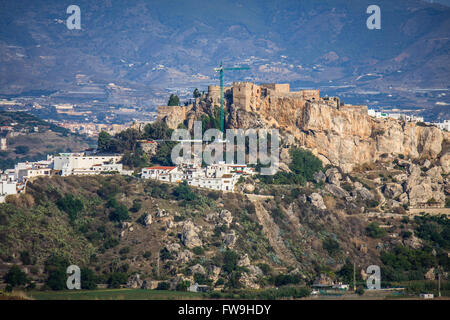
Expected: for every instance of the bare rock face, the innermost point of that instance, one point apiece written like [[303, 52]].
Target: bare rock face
[[319, 176], [445, 163], [392, 190], [229, 239], [317, 201], [343, 137], [198, 268], [185, 256], [243, 261], [333, 176], [430, 275], [173, 247], [148, 220], [134, 282], [336, 191], [226, 217], [189, 236], [364, 193]]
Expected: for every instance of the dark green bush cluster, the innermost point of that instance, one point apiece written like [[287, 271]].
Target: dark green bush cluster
[[70, 205], [373, 230], [303, 166]]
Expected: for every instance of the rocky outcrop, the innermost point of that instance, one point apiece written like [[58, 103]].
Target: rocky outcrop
[[317, 201], [189, 235], [392, 190], [336, 191]]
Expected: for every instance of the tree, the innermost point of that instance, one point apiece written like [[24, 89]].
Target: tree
[[15, 277], [157, 130], [184, 192], [197, 93], [120, 213], [55, 267], [304, 163], [104, 142], [163, 154], [173, 100], [88, 279], [116, 279]]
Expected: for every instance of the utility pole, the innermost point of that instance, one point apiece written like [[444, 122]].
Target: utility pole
[[221, 69], [354, 277], [439, 283], [157, 267]]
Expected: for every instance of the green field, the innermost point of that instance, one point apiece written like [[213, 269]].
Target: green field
[[113, 294]]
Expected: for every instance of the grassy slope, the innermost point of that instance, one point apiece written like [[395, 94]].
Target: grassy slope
[[114, 294]]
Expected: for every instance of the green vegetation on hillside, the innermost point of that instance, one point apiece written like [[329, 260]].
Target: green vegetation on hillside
[[303, 166], [127, 142]]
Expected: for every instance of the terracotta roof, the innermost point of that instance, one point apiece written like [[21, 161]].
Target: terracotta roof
[[161, 168]]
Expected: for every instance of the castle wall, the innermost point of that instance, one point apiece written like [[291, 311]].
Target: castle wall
[[174, 115], [214, 93], [245, 95]]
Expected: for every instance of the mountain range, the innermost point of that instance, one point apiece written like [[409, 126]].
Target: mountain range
[[159, 46]]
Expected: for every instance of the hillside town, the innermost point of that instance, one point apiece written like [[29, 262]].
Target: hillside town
[[221, 176]]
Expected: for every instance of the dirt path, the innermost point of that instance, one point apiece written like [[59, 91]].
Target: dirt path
[[272, 231]]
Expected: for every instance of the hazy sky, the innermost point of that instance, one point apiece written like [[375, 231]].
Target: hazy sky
[[446, 2]]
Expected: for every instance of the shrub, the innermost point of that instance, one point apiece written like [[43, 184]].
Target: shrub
[[198, 250], [373, 230], [116, 279], [183, 285], [265, 268], [163, 286], [331, 245], [22, 149], [230, 259], [285, 279], [88, 279], [184, 192], [124, 250], [15, 277], [55, 267], [119, 213], [70, 205]]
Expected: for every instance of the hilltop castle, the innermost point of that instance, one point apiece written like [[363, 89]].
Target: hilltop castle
[[250, 97]]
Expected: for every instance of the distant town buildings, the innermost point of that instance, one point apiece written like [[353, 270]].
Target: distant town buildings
[[93, 129], [397, 116]]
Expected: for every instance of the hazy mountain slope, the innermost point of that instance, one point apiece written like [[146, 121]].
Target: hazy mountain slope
[[126, 42]]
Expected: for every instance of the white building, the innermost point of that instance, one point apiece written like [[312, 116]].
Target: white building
[[7, 188], [443, 125], [80, 163], [159, 173], [397, 116], [221, 176]]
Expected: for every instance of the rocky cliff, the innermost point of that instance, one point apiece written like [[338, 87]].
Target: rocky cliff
[[346, 136]]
